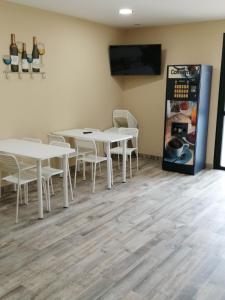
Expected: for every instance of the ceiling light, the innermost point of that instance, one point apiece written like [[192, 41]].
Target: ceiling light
[[125, 11]]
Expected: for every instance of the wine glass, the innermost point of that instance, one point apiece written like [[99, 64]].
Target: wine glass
[[41, 50], [7, 61], [29, 60], [19, 45]]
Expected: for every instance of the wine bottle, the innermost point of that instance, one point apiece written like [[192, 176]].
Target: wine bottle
[[25, 66], [35, 56], [14, 54]]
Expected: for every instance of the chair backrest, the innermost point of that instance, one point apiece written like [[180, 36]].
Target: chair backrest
[[9, 163], [83, 144], [123, 118], [55, 138], [131, 131], [34, 140], [60, 144]]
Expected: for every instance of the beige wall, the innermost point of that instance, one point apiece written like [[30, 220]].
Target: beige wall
[[199, 43], [78, 91]]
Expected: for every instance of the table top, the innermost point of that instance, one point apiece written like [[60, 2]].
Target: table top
[[32, 150], [97, 136]]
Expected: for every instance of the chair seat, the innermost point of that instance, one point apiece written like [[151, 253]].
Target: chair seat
[[119, 150], [26, 176], [72, 155], [93, 159], [48, 172], [25, 166], [85, 151]]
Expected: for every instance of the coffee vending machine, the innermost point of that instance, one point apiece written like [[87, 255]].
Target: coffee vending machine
[[186, 118]]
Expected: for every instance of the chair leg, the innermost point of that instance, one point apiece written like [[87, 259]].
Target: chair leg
[[84, 170], [118, 160], [112, 172], [100, 169], [48, 193], [17, 203], [21, 194], [130, 167], [92, 171], [94, 176], [75, 174], [52, 188], [45, 193], [61, 167], [78, 167], [70, 183], [137, 161], [26, 193]]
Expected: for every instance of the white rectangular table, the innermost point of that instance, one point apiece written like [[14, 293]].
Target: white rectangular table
[[39, 152], [104, 137]]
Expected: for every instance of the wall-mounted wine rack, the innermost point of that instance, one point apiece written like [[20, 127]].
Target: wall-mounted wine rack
[[21, 75]]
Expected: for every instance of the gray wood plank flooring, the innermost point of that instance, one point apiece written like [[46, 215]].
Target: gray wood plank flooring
[[160, 236]]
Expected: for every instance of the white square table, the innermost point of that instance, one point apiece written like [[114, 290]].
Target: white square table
[[39, 152], [104, 137]]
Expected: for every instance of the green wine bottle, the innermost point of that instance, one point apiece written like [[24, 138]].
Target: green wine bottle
[[35, 56], [14, 54], [25, 66]]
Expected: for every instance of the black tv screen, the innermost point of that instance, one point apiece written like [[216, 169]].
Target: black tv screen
[[135, 59]]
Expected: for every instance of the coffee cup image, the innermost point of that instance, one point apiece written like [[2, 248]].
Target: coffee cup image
[[175, 147]]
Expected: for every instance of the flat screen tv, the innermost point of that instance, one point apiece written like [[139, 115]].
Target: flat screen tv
[[135, 59]]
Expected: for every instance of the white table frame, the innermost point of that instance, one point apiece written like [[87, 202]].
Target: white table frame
[[39, 152], [107, 138]]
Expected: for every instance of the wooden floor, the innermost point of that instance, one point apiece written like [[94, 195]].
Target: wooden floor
[[159, 236]]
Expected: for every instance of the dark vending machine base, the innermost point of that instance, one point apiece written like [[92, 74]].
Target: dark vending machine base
[[185, 169]]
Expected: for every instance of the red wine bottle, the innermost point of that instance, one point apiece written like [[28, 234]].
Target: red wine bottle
[[35, 56], [24, 59], [14, 54]]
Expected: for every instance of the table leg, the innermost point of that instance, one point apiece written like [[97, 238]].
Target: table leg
[[65, 182], [39, 188], [109, 179], [124, 160]]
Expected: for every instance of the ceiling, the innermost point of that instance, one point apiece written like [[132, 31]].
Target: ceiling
[[146, 12]]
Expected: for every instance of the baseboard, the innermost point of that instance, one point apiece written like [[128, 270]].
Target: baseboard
[[148, 156]]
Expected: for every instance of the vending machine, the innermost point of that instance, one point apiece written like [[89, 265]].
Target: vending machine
[[186, 117]]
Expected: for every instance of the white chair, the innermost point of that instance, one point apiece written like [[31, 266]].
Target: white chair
[[23, 166], [36, 140], [59, 138], [97, 144], [92, 157], [9, 164], [64, 145], [119, 149], [123, 118], [47, 173]]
